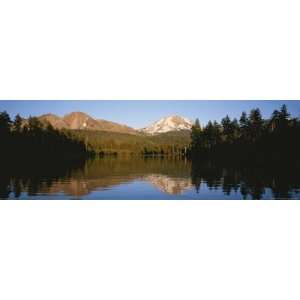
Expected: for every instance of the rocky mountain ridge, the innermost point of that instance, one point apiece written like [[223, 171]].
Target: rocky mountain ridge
[[82, 121]]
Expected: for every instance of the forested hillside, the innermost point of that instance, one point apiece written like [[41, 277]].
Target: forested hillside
[[35, 138], [103, 142]]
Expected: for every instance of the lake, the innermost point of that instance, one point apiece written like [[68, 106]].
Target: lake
[[146, 178]]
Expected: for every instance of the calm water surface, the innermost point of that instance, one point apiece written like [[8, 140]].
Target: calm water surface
[[147, 178]]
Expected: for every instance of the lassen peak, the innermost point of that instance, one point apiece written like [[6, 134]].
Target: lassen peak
[[169, 123]]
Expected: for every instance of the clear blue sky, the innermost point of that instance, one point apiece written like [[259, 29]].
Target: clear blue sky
[[139, 114]]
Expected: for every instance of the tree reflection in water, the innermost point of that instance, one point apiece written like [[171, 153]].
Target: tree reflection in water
[[34, 177], [252, 182], [168, 176]]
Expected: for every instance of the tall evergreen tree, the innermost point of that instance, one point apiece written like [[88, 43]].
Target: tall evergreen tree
[[255, 124], [196, 136], [17, 124], [5, 123]]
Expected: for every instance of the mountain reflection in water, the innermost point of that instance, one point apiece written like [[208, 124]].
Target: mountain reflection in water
[[146, 178]]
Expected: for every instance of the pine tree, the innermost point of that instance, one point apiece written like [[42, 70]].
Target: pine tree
[[255, 124], [5, 123], [196, 136], [17, 124]]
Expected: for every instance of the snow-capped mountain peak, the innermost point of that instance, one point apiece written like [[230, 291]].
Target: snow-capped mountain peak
[[170, 123]]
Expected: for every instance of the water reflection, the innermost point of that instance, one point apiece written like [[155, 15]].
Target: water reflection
[[166, 184], [140, 178], [251, 182], [34, 177]]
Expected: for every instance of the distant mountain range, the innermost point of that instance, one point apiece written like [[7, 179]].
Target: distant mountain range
[[80, 120]]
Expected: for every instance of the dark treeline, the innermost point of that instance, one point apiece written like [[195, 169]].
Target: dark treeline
[[34, 139], [249, 139]]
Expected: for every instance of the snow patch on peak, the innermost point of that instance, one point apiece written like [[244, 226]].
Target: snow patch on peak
[[170, 123]]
